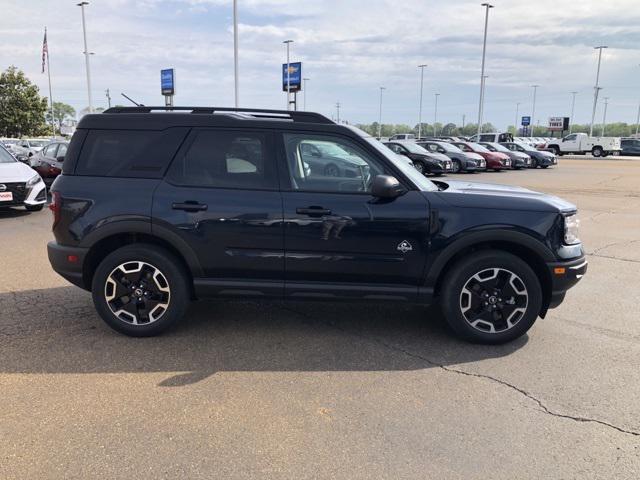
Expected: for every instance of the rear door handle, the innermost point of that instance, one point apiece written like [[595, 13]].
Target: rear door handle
[[313, 211], [189, 206]]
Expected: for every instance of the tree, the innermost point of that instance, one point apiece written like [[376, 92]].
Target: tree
[[61, 112], [22, 109]]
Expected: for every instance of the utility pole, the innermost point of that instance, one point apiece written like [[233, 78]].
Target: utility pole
[[604, 115], [484, 51], [287, 42], [235, 53], [435, 115], [108, 97], [380, 114], [573, 104], [463, 119], [533, 113], [421, 67], [516, 122], [596, 88], [86, 55], [338, 111], [304, 94]]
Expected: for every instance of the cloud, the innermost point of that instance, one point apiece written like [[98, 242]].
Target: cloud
[[348, 50]]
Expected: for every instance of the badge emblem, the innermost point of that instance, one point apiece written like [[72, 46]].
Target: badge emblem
[[405, 246], [3, 187]]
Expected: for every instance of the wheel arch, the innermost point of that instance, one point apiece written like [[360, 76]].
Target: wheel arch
[[535, 254]]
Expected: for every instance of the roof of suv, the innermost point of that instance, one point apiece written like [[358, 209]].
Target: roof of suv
[[158, 118]]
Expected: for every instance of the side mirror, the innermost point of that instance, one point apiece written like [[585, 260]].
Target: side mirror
[[386, 186], [60, 159]]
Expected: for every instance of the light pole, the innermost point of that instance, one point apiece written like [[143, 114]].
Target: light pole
[[638, 120], [421, 67], [108, 94], [484, 50], [304, 94], [533, 112], [235, 52], [573, 105], [338, 111], [380, 114], [604, 115], [596, 88], [86, 55], [287, 42], [435, 116], [516, 122]]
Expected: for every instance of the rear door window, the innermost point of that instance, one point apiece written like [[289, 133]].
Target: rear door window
[[129, 153], [226, 159]]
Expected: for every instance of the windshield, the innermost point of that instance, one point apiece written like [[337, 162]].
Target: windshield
[[496, 147], [38, 143], [10, 142], [6, 157], [478, 148], [414, 148], [416, 177], [526, 147], [448, 147]]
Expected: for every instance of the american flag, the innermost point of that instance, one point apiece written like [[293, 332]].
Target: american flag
[[45, 49]]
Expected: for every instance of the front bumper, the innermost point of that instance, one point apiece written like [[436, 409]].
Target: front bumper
[[565, 275], [21, 194], [67, 262]]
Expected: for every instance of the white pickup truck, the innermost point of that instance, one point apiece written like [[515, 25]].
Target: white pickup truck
[[583, 143]]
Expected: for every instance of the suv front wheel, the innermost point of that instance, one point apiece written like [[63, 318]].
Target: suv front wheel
[[491, 297], [140, 290]]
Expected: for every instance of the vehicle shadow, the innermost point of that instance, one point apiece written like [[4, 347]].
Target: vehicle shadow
[[13, 212], [56, 330]]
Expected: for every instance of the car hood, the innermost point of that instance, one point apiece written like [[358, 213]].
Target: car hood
[[441, 157], [473, 156], [15, 172], [489, 195]]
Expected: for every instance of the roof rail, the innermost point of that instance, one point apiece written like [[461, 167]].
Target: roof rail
[[257, 113]]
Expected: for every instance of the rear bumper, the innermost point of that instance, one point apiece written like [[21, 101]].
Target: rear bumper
[[67, 262], [565, 275]]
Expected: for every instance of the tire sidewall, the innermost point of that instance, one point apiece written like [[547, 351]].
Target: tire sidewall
[[170, 268], [469, 266]]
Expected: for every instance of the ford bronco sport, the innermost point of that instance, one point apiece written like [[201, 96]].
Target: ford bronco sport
[[155, 208]]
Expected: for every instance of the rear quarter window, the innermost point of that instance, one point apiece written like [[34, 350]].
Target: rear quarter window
[[129, 153]]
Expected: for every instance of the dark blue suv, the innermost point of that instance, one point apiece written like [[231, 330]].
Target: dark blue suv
[[156, 208]]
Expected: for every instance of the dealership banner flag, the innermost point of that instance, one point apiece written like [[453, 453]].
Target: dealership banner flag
[[45, 49]]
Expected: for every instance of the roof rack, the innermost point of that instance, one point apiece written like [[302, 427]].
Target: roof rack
[[256, 113]]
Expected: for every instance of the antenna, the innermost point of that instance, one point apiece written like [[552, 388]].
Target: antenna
[[132, 101]]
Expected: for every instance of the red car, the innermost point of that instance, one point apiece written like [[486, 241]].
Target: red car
[[495, 160], [48, 161]]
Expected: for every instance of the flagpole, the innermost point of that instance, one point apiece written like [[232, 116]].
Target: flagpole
[[53, 120]]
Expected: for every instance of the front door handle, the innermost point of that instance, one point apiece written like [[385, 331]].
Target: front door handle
[[190, 206], [313, 211]]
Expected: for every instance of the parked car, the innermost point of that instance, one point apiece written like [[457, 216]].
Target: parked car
[[518, 159], [495, 161], [495, 137], [460, 161], [583, 143], [448, 139], [630, 146], [403, 136], [424, 161], [21, 153], [539, 158], [151, 213], [48, 161], [20, 186], [33, 145]]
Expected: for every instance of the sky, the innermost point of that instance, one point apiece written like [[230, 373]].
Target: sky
[[349, 48]]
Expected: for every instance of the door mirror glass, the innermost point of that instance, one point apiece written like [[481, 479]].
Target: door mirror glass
[[386, 186]]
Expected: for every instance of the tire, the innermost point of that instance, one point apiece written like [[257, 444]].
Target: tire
[[544, 166], [331, 170], [534, 163], [596, 151], [419, 166], [499, 321], [34, 208], [556, 151], [165, 293], [455, 166]]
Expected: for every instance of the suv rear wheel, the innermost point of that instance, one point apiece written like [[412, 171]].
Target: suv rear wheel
[[491, 297], [140, 290]]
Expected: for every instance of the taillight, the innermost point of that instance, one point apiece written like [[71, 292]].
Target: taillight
[[55, 207]]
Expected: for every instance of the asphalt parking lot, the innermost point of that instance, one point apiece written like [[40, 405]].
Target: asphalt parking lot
[[306, 390]]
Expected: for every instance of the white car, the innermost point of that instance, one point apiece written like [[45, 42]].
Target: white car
[[20, 185], [583, 143]]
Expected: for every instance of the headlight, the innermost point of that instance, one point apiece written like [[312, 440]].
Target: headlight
[[571, 226], [33, 180]]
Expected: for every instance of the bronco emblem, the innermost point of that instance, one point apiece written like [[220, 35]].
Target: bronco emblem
[[405, 246]]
